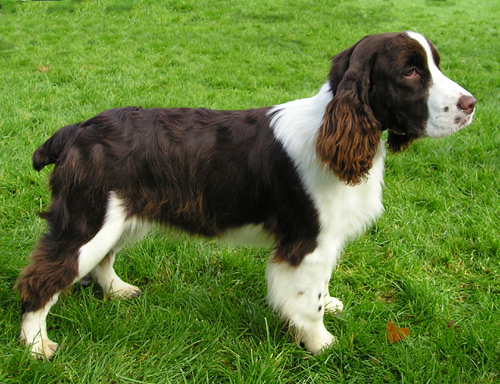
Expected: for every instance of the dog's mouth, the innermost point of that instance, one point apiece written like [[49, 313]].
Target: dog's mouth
[[464, 120], [397, 132]]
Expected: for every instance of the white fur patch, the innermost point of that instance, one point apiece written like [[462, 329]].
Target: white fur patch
[[297, 294], [108, 236], [34, 331], [445, 117]]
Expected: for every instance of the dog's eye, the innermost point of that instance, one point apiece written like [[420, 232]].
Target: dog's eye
[[411, 74]]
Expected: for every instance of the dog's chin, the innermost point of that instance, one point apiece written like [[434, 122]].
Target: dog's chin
[[398, 140], [438, 128]]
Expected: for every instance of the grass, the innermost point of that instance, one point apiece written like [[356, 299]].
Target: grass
[[432, 263]]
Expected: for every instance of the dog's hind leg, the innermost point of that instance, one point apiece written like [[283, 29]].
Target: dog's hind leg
[[54, 267], [57, 264], [110, 282], [104, 273], [34, 330]]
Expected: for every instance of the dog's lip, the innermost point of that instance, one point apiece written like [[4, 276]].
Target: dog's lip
[[467, 120], [396, 132]]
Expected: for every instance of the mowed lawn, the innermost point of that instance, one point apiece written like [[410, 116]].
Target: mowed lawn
[[430, 264]]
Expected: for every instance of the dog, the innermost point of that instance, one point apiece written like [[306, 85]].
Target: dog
[[302, 177]]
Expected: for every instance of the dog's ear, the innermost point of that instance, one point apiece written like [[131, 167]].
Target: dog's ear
[[340, 65], [349, 135]]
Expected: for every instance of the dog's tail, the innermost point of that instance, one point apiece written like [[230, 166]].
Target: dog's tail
[[49, 152]]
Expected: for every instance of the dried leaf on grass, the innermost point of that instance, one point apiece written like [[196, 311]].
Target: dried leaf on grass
[[44, 69], [395, 334]]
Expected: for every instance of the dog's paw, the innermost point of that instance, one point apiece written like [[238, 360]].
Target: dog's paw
[[124, 290], [333, 305], [43, 349], [318, 341]]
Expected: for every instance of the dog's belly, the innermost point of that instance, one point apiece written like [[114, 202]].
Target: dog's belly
[[252, 235]]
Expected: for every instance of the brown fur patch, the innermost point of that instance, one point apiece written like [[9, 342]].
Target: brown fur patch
[[348, 138], [53, 268]]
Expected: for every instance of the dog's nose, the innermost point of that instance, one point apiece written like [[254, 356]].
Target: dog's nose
[[466, 104]]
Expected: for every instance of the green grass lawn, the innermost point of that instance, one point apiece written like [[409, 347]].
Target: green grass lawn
[[431, 264]]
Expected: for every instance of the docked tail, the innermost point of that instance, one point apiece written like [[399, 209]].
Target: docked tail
[[49, 152]]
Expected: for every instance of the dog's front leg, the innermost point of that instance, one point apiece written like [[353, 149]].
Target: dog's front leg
[[298, 294]]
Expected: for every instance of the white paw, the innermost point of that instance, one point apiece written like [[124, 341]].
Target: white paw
[[43, 349], [333, 305], [123, 290], [318, 340], [34, 332]]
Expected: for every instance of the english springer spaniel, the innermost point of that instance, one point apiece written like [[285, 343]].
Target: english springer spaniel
[[302, 177]]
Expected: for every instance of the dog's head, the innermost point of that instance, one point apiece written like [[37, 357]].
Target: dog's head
[[391, 82]]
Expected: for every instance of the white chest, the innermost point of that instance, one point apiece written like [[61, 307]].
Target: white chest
[[345, 211]]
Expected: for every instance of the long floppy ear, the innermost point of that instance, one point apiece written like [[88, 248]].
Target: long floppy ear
[[349, 135], [340, 65]]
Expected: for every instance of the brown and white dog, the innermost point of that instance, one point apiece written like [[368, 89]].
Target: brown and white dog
[[302, 177]]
